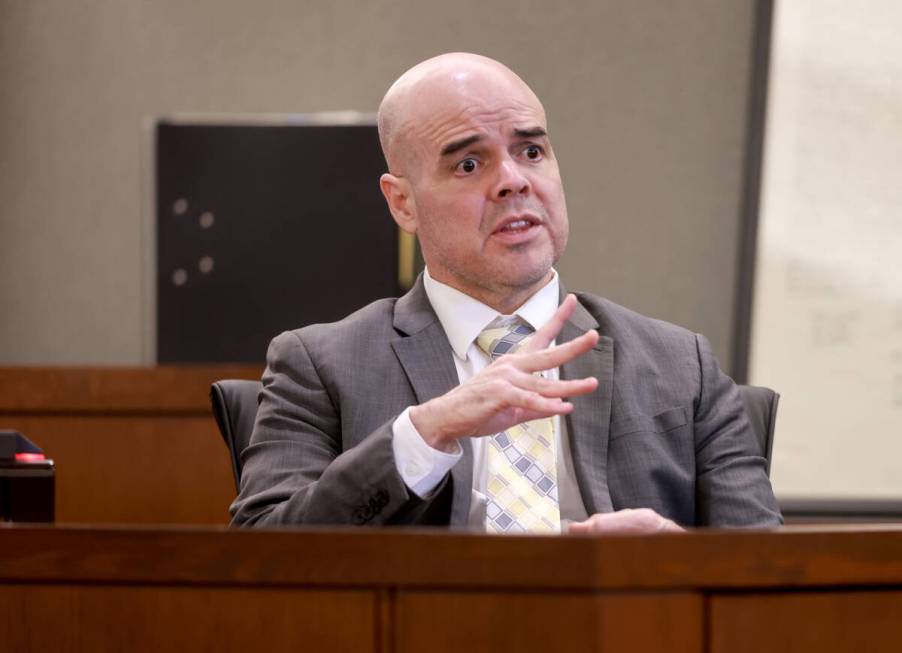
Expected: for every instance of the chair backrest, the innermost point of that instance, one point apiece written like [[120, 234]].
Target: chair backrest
[[761, 406], [235, 408]]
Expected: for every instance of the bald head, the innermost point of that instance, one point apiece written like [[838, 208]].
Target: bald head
[[473, 175], [448, 79]]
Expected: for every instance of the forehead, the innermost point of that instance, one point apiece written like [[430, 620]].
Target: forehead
[[447, 112]]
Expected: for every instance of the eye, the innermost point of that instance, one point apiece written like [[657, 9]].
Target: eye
[[467, 166], [533, 152]]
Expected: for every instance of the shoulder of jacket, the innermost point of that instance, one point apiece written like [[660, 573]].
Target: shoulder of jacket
[[615, 319], [371, 319]]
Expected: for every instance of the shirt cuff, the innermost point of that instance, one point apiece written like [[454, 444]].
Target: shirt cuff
[[421, 467]]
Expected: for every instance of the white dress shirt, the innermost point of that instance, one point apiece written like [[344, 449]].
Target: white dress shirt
[[423, 467]]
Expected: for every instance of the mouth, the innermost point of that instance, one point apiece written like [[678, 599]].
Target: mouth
[[517, 230], [516, 224]]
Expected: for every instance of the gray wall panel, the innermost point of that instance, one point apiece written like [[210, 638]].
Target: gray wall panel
[[646, 102]]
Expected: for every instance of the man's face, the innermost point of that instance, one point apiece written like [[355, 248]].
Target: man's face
[[488, 200]]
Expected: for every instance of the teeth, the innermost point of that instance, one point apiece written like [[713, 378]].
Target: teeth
[[516, 224]]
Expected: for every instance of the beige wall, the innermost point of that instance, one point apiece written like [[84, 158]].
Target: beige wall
[[646, 102], [827, 318]]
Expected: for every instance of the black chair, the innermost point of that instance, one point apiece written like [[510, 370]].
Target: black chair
[[235, 407], [761, 405]]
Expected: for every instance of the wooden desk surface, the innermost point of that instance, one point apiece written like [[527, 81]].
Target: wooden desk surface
[[797, 589], [703, 559]]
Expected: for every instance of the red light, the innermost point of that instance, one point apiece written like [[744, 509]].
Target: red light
[[29, 457]]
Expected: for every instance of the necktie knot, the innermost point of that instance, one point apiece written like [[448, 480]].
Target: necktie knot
[[503, 336]]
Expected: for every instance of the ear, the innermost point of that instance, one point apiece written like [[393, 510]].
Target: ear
[[398, 194]]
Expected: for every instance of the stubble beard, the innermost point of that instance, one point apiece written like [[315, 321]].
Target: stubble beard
[[495, 284]]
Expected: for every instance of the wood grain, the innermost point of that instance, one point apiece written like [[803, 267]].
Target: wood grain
[[130, 445], [827, 622], [93, 618], [159, 469], [449, 622], [408, 559], [85, 589], [106, 390]]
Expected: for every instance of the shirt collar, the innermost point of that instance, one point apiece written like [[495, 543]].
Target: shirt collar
[[463, 317]]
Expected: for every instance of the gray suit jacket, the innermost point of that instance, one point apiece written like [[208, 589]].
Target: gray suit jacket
[[666, 428]]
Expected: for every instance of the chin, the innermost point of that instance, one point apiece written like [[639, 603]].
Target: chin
[[524, 278]]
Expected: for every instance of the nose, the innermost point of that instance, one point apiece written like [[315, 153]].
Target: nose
[[511, 180]]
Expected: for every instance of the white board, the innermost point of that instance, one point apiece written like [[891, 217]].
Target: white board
[[827, 308]]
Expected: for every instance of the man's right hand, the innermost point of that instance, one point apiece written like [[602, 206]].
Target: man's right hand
[[507, 392]]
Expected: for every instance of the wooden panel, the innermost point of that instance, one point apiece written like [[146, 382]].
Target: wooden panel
[[131, 445], [437, 591], [824, 622], [165, 388], [107, 618], [416, 558], [138, 470], [524, 622]]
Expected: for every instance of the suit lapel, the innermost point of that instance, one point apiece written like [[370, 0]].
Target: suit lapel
[[427, 359], [428, 362], [588, 426]]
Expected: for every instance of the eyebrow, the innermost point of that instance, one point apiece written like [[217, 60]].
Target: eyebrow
[[532, 132], [455, 146]]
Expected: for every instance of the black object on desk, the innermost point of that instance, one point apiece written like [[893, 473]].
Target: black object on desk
[[27, 480]]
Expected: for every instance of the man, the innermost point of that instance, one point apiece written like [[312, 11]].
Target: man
[[485, 397]]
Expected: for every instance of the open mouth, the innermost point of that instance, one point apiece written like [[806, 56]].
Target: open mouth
[[517, 225]]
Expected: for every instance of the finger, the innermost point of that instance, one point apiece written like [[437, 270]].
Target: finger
[[590, 525], [609, 522], [546, 359], [641, 520], [669, 526], [546, 334], [553, 387], [535, 405]]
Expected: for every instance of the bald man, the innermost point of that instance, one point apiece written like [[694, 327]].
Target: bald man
[[487, 397]]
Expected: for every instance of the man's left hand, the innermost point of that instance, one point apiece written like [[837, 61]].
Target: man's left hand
[[640, 520]]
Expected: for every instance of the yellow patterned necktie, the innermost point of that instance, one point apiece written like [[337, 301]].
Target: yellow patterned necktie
[[521, 487]]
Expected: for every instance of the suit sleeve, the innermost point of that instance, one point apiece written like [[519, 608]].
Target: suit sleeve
[[296, 471], [732, 487]]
